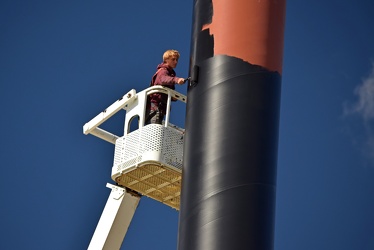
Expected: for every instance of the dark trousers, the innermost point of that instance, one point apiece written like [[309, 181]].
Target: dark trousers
[[154, 115]]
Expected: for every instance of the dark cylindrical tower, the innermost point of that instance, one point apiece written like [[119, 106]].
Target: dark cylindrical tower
[[230, 154]]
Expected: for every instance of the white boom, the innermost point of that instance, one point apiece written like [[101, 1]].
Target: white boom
[[115, 219]]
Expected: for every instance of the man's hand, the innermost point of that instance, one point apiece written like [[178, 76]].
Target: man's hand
[[181, 81]]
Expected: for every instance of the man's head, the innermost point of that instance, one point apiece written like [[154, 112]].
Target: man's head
[[171, 57]]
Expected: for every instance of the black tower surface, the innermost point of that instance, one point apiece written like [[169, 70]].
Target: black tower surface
[[231, 142]]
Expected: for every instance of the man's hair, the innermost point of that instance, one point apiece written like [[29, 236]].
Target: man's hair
[[170, 53]]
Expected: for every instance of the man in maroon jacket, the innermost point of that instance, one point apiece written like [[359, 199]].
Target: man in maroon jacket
[[165, 76]]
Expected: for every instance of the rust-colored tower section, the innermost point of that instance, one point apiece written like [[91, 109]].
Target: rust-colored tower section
[[230, 154]]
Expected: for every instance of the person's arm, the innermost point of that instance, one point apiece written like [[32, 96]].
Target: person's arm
[[165, 79]]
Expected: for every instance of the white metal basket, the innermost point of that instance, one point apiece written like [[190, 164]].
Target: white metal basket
[[149, 161]]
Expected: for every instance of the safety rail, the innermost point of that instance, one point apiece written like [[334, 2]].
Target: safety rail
[[126, 103]]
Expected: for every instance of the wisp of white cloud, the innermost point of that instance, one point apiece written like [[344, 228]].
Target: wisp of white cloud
[[364, 108], [365, 104]]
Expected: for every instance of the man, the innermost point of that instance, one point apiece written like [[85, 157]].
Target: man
[[165, 76]]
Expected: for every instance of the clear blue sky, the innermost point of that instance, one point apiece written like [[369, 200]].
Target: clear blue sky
[[63, 62]]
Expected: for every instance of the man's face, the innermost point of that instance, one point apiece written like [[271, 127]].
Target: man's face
[[172, 61]]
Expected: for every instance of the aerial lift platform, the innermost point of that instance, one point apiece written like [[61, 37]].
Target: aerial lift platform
[[147, 161]]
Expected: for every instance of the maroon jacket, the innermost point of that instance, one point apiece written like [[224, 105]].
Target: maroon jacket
[[164, 76]]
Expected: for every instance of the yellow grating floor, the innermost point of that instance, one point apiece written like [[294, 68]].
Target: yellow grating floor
[[157, 182]]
